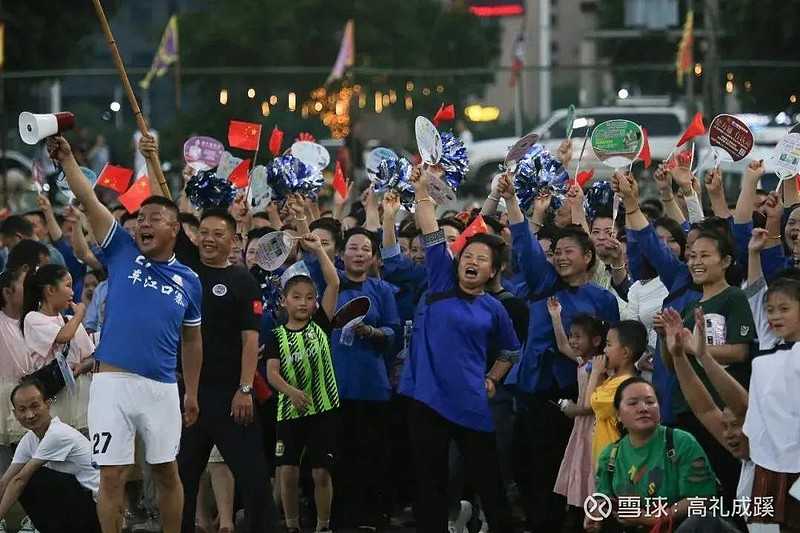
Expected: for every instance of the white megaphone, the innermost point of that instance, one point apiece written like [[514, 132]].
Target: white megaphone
[[33, 128]]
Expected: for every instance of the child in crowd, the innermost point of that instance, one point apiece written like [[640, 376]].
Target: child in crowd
[[300, 367], [47, 295], [587, 337], [625, 344]]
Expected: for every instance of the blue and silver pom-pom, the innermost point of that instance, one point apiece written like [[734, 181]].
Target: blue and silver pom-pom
[[205, 189], [393, 175], [287, 174], [454, 160], [599, 199], [270, 292], [537, 173]]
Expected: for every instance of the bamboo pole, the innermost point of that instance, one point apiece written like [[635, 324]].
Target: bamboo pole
[[126, 85]]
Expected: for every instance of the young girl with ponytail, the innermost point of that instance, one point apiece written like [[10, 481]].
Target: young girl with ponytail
[[47, 295]]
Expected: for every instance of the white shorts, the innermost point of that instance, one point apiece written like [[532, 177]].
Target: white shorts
[[123, 405]]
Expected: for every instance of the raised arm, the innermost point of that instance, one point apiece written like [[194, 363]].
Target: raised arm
[[492, 201], [340, 203], [697, 395], [312, 243], [667, 265], [682, 174], [425, 209], [80, 246], [716, 193], [53, 229], [148, 145], [747, 196], [575, 199], [391, 205], [100, 218], [663, 180], [532, 261], [298, 208], [372, 221], [562, 341]]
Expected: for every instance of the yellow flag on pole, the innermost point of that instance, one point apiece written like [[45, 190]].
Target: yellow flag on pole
[[684, 58]]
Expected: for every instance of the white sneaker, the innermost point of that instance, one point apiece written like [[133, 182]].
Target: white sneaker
[[464, 515], [26, 526], [451, 527]]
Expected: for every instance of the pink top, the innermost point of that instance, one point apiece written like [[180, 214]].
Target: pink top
[[15, 360], [40, 336]]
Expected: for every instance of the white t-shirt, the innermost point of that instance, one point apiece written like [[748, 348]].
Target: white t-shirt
[[65, 450], [757, 298], [772, 422], [40, 336]]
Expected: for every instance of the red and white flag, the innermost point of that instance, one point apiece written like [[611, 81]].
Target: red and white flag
[[517, 60]]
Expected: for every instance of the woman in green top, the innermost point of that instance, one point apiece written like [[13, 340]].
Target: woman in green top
[[729, 333], [653, 474]]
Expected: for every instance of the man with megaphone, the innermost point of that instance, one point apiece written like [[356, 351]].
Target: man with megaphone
[[153, 302]]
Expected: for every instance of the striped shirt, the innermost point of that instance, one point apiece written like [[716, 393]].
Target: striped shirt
[[306, 364]]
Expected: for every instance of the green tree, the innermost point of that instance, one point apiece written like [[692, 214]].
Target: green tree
[[288, 33]]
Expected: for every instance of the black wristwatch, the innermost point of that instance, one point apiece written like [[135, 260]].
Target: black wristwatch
[[246, 389]]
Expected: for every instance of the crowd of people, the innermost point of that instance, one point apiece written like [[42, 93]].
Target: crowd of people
[[632, 371]]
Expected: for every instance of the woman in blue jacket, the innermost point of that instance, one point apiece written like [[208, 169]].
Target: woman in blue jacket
[[543, 376]]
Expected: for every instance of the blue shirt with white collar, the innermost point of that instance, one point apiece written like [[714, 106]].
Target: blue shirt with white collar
[[148, 302]]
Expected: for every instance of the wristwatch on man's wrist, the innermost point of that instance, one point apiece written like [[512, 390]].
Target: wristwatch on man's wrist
[[246, 389]]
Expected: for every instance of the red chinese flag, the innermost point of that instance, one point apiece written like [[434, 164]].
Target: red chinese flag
[[240, 177], [645, 153], [584, 176], [695, 128], [339, 183], [275, 141], [138, 193], [114, 177], [478, 226], [244, 135], [445, 113]]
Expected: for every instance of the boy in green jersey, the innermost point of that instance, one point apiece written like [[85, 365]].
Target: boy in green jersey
[[299, 366]]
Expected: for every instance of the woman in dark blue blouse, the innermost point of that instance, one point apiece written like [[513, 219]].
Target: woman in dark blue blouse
[[445, 373], [543, 376]]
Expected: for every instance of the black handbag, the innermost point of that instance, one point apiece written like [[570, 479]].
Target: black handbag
[[50, 375]]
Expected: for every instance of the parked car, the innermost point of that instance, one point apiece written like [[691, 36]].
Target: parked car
[[664, 126]]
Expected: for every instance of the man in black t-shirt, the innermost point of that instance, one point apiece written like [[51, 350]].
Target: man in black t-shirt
[[231, 321]]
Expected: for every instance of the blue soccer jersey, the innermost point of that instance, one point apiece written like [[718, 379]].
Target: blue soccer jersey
[[147, 304]]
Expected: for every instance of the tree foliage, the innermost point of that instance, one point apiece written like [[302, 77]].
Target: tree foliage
[[389, 34]]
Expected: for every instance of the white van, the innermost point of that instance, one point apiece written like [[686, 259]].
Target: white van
[[664, 125]]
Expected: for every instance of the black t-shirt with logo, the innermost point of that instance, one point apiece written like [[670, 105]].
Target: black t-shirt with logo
[[231, 304]]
